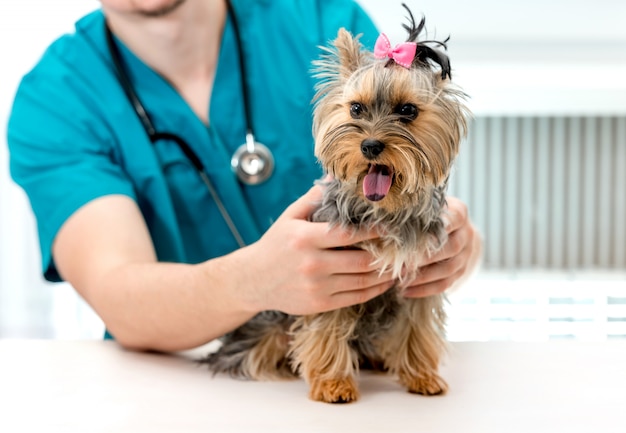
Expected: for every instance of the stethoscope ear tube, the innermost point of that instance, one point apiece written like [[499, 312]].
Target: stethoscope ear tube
[[222, 209], [252, 162], [154, 136]]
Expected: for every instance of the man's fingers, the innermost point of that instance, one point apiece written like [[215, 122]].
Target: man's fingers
[[350, 282], [348, 262], [441, 269], [327, 235], [354, 297], [340, 237], [456, 214], [305, 205], [456, 243], [432, 287]]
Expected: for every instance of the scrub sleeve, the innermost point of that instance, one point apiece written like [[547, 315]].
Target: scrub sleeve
[[73, 136]]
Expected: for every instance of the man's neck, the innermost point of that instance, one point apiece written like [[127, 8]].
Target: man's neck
[[182, 46]]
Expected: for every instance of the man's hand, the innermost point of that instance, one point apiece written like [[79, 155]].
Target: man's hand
[[457, 259], [302, 267]]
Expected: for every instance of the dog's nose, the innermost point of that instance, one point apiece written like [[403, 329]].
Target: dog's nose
[[371, 148]]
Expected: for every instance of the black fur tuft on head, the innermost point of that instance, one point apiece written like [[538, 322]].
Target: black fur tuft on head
[[426, 53]]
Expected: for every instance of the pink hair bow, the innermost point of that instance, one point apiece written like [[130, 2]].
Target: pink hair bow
[[403, 54]]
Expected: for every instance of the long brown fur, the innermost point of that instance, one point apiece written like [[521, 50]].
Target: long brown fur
[[405, 337]]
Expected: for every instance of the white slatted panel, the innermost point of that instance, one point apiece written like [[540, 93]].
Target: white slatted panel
[[546, 192], [573, 193], [524, 201], [511, 216], [619, 182], [589, 189]]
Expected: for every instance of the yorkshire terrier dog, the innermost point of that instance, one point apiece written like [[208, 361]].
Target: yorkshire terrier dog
[[387, 128]]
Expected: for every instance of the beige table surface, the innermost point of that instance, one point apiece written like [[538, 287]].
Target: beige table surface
[[93, 386]]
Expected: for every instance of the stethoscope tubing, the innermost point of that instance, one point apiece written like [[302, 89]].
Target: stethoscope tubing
[[242, 65], [154, 136]]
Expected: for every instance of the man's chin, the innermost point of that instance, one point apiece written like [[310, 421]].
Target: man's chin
[[162, 9]]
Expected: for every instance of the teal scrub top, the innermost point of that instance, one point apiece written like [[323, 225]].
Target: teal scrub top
[[73, 136]]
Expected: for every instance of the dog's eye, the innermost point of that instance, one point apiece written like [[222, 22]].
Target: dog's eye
[[407, 111], [356, 110]]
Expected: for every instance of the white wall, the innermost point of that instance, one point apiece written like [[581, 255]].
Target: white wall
[[533, 21], [512, 57], [532, 57], [27, 305]]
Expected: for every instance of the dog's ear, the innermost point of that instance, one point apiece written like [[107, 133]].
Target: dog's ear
[[349, 52], [338, 61]]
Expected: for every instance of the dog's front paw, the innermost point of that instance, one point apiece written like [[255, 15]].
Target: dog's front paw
[[425, 385], [334, 390]]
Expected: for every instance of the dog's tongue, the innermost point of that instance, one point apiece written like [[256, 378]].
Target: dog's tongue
[[377, 182]]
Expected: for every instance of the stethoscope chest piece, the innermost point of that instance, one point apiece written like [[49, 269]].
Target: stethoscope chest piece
[[252, 162]]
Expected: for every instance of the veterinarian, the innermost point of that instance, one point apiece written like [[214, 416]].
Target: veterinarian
[[166, 150]]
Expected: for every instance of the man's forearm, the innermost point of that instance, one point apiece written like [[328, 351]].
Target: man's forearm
[[167, 306]]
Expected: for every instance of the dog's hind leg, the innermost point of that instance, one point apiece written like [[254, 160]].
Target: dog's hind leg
[[256, 350], [416, 345], [322, 353]]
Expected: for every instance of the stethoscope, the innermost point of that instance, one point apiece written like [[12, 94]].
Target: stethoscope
[[252, 162]]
